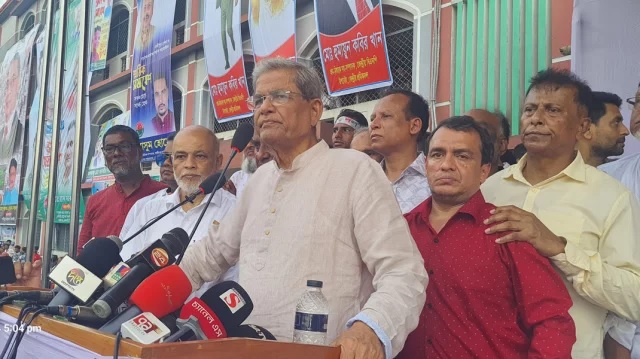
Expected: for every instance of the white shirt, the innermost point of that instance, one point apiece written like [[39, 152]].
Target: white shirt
[[331, 217], [599, 219], [222, 202], [133, 213], [412, 187], [240, 179], [627, 171]]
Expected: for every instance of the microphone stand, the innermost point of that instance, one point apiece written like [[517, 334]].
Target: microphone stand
[[234, 152], [189, 198]]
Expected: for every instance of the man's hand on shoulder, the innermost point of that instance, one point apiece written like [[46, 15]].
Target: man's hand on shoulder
[[359, 342]]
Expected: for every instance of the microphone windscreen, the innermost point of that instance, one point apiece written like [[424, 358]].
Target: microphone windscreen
[[162, 292], [229, 301], [251, 331], [209, 184], [242, 136], [175, 240], [99, 255], [116, 240]]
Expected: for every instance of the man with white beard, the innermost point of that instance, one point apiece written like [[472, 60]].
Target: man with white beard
[[249, 165], [196, 156]]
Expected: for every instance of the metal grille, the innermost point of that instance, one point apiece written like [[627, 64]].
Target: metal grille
[[232, 125], [109, 115], [118, 34], [399, 35]]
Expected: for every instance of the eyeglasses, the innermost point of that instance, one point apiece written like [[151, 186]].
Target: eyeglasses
[[633, 101], [111, 149], [162, 158], [182, 157], [277, 98]]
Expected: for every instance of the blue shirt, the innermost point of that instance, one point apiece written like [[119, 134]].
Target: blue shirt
[[10, 196]]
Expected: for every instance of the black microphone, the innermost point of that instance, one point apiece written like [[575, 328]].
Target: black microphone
[[251, 331], [212, 316], [240, 140], [159, 254], [38, 296], [97, 258], [207, 186], [84, 314]]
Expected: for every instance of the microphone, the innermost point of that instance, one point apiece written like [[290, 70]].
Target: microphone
[[240, 140], [159, 254], [207, 186], [78, 277], [38, 296], [162, 293], [145, 328], [84, 314], [115, 274], [251, 331], [225, 305]]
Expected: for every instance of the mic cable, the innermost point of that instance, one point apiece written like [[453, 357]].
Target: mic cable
[[14, 353]]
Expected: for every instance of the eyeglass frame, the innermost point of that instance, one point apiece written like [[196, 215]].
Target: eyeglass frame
[[121, 147], [251, 99]]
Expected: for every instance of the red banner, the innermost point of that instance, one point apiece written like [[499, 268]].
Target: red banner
[[356, 59], [273, 28], [222, 44]]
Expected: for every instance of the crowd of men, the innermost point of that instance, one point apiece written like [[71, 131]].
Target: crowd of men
[[429, 244]]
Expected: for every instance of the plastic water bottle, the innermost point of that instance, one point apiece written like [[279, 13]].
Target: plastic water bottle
[[312, 314]]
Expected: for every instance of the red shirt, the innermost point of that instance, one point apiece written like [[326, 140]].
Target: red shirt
[[484, 299], [106, 210]]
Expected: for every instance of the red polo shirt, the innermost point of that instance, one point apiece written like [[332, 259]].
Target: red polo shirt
[[106, 210], [485, 299]]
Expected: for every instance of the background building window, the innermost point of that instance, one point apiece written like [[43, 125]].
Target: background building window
[[119, 33], [177, 105], [109, 115], [27, 24]]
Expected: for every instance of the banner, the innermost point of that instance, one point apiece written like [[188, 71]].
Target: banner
[[68, 126], [353, 48], [43, 199], [98, 171], [15, 87], [272, 24], [222, 42], [151, 97], [33, 121], [101, 10]]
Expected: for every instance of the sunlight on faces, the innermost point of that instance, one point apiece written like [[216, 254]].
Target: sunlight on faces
[[390, 127], [551, 121], [362, 142], [286, 125], [454, 165], [195, 157]]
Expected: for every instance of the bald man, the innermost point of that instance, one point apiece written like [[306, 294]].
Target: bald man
[[362, 142], [196, 156], [494, 124]]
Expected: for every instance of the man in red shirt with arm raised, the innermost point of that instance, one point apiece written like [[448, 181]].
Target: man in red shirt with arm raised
[[106, 210], [484, 299]]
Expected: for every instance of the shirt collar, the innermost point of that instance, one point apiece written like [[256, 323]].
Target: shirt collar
[[308, 156], [418, 166], [475, 207], [173, 199], [145, 181], [576, 170]]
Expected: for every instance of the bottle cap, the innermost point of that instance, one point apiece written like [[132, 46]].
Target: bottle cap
[[314, 283]]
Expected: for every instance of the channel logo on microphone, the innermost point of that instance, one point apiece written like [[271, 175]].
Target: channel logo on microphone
[[233, 300], [159, 257], [75, 277]]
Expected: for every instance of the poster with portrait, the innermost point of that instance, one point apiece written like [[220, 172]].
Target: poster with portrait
[[69, 109], [151, 96], [98, 171], [101, 10], [14, 73], [353, 48], [43, 193], [222, 42], [272, 24], [33, 118]]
